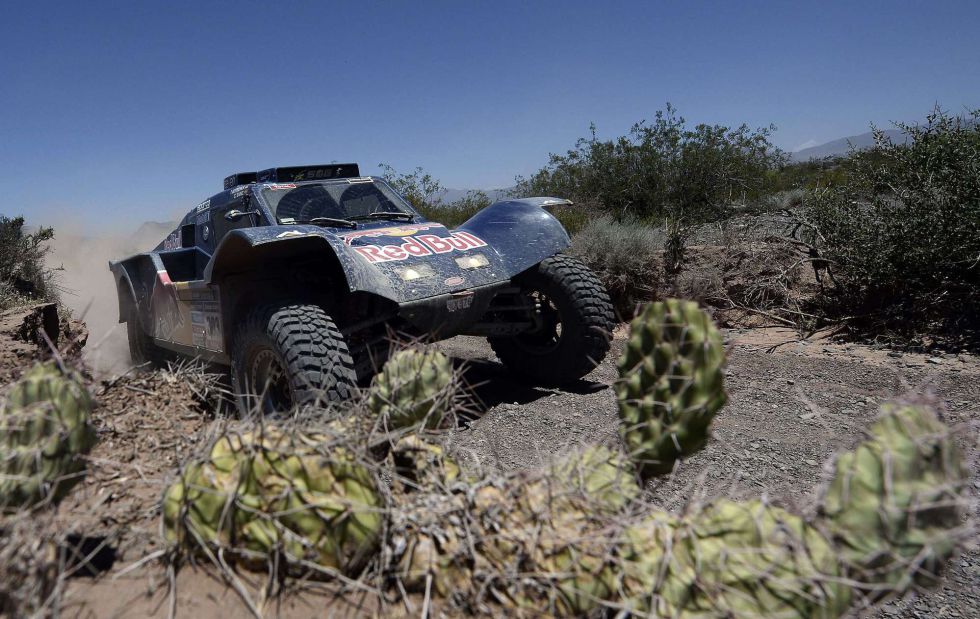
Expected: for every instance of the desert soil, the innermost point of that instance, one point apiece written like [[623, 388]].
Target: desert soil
[[792, 405]]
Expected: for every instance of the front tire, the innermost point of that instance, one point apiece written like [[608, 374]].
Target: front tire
[[573, 319], [290, 355]]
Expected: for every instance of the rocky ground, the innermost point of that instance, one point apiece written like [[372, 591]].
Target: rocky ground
[[792, 404]]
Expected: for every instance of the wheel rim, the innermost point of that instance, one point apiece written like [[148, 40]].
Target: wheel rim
[[268, 382], [545, 336]]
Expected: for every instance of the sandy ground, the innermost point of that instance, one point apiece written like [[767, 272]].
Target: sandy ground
[[792, 404]]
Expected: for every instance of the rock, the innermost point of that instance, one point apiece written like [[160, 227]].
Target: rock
[[935, 360]]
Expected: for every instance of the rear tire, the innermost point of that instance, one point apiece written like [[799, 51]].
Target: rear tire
[[142, 349], [290, 355], [574, 320]]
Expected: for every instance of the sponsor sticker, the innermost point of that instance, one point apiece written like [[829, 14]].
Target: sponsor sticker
[[454, 281], [460, 302], [172, 241], [419, 246], [279, 186], [203, 206]]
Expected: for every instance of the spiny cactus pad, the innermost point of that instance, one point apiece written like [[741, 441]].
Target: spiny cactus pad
[[671, 384], [415, 387], [894, 500], [269, 493], [45, 430]]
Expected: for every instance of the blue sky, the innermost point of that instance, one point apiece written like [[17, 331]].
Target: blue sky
[[116, 113]]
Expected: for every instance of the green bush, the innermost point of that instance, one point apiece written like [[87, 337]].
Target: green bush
[[902, 232], [666, 169], [24, 277]]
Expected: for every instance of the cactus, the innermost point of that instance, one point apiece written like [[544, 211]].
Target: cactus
[[415, 388], [889, 520], [45, 429], [731, 560], [894, 500], [539, 540], [269, 492], [550, 542], [671, 384]]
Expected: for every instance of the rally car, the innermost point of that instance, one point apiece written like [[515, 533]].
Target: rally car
[[299, 278]]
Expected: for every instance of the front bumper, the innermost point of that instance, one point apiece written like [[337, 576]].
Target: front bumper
[[450, 314]]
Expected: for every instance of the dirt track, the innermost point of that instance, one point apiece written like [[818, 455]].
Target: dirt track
[[791, 405]]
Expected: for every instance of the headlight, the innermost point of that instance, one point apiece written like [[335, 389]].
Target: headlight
[[418, 271], [472, 261]]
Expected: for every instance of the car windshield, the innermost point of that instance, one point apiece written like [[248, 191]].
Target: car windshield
[[333, 200]]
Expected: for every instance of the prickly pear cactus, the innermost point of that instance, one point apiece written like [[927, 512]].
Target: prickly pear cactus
[[415, 388], [894, 500], [671, 384], [731, 560], [602, 474], [45, 430], [271, 493]]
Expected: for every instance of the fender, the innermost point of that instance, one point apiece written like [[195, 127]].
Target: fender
[[134, 277], [520, 231]]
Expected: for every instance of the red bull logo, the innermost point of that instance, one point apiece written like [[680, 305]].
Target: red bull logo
[[419, 246]]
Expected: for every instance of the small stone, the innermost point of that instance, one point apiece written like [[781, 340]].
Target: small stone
[[754, 445], [894, 353], [811, 462], [790, 381], [807, 416], [935, 360]]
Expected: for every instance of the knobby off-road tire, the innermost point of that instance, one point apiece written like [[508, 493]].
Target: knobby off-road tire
[[568, 294], [290, 355], [141, 347]]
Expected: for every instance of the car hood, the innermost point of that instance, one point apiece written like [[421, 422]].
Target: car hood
[[423, 260]]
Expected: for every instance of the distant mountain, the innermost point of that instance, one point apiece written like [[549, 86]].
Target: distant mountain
[[147, 236], [843, 145]]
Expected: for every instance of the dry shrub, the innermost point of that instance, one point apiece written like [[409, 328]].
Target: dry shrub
[[24, 277], [627, 257], [703, 283]]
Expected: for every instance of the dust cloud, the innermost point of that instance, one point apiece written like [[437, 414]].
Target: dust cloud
[[89, 291]]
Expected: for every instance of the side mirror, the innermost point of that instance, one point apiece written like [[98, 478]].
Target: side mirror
[[235, 214]]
